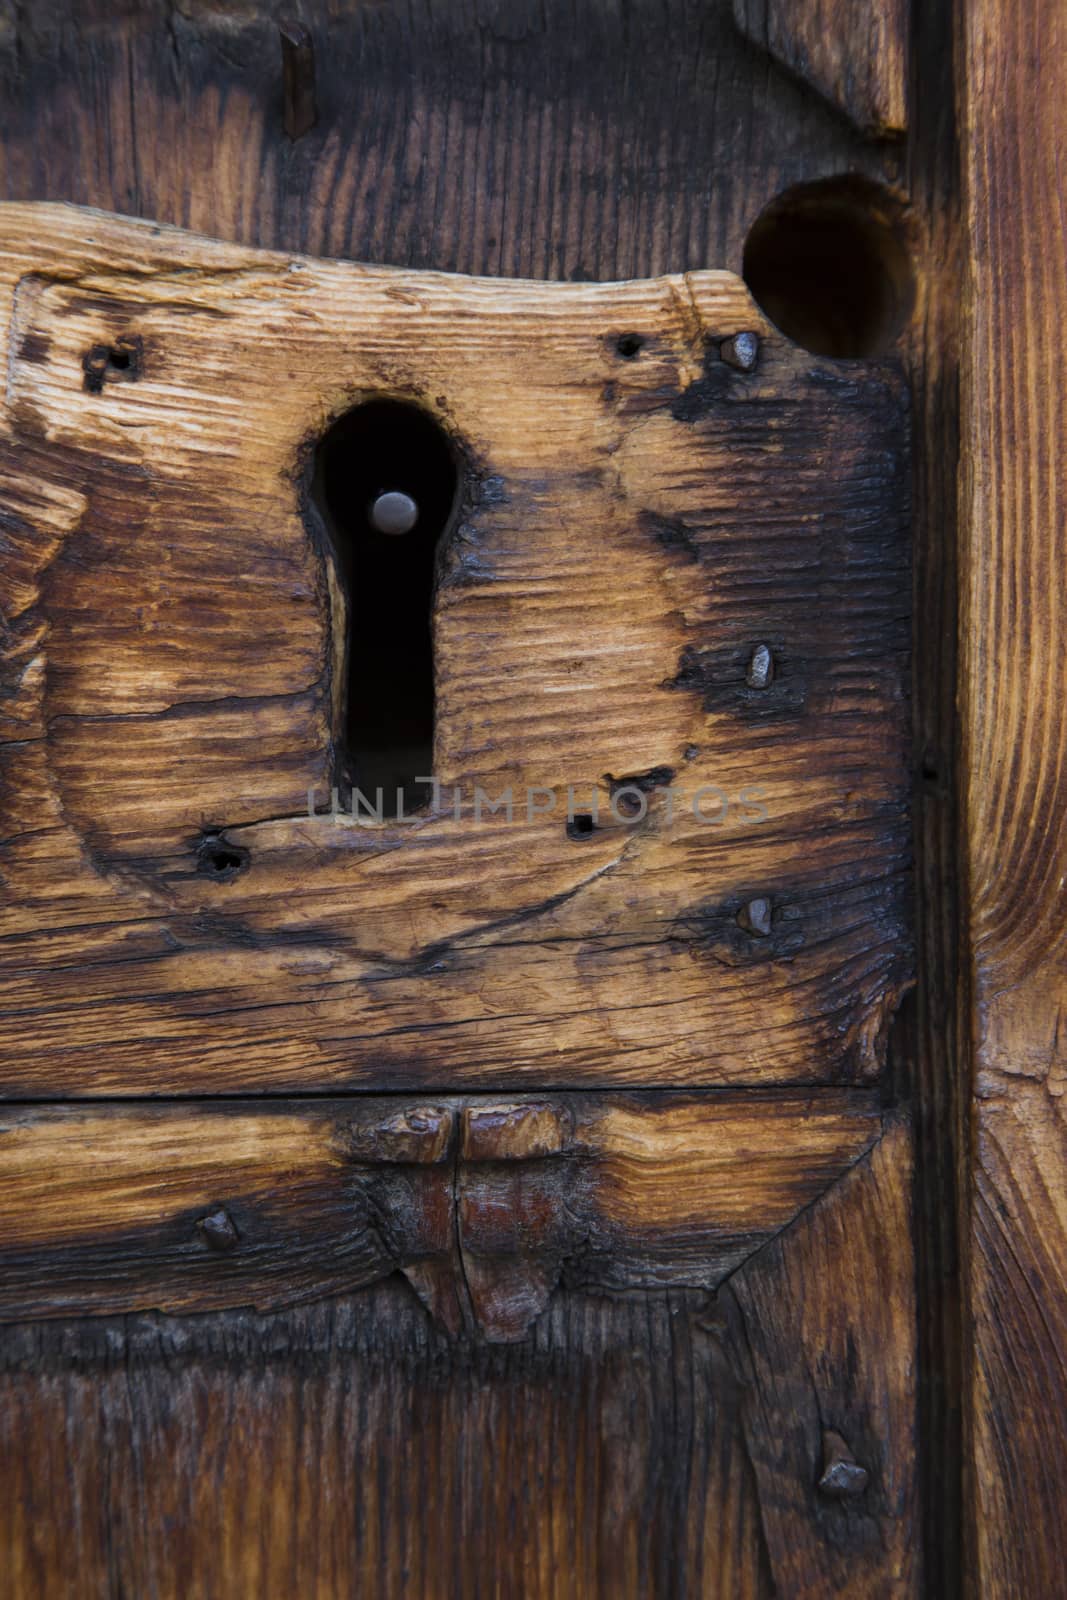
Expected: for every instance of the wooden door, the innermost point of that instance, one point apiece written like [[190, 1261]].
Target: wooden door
[[515, 905]]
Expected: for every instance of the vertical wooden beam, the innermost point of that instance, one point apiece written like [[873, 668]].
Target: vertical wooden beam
[[1013, 123], [926, 1049]]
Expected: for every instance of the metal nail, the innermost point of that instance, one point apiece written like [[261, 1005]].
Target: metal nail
[[755, 917], [842, 1476], [218, 1230], [740, 351], [760, 667]]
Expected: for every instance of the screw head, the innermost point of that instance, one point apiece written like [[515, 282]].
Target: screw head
[[394, 513], [741, 351]]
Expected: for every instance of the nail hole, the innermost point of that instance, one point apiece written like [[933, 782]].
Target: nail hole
[[629, 345], [826, 261], [121, 360], [387, 451], [216, 858], [580, 826]]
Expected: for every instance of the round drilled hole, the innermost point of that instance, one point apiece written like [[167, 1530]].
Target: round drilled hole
[[827, 264]]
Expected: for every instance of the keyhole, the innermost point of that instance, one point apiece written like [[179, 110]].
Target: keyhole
[[386, 483]]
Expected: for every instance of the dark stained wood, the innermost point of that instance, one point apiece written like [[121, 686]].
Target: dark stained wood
[[346, 1449], [1014, 728], [298, 74], [856, 54], [509, 137], [927, 1060], [826, 1329], [718, 510], [661, 1444]]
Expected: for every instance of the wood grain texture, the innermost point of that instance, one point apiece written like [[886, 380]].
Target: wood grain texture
[[929, 1063], [344, 1446], [515, 138], [667, 1444], [109, 1207], [854, 52], [1013, 125], [347, 1449], [632, 528], [827, 1324]]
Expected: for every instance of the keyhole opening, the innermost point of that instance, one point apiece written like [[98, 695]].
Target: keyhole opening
[[386, 482]]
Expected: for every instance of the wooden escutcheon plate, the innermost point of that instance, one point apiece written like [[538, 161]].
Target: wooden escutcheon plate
[[638, 520]]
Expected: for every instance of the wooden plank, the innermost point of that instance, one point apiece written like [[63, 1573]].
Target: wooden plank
[[667, 1443], [620, 140], [183, 692], [229, 1204], [1014, 716], [854, 53], [349, 1449], [824, 1327], [926, 1046]]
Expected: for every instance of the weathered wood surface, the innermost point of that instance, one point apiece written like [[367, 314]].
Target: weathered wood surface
[[517, 138], [633, 527], [1014, 715], [663, 1444], [856, 54], [928, 1060], [484, 1205], [838, 1292], [347, 1446]]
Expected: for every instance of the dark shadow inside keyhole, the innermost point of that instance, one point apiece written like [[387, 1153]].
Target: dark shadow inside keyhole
[[388, 448]]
